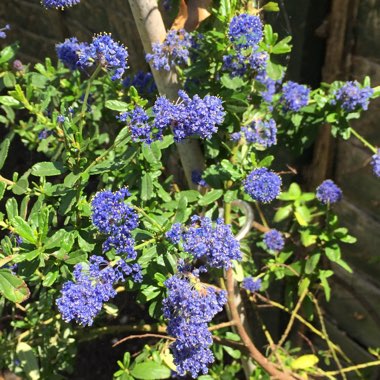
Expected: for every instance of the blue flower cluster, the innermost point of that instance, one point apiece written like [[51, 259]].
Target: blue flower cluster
[[59, 3], [196, 178], [294, 96], [3, 33], [113, 217], [106, 52], [216, 244], [173, 51], [187, 118], [246, 30], [352, 97], [328, 192], [83, 299], [375, 162], [189, 306], [69, 51], [274, 240], [259, 132], [143, 82], [263, 185], [270, 86], [251, 284]]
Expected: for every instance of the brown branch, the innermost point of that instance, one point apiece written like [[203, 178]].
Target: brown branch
[[143, 336], [253, 351]]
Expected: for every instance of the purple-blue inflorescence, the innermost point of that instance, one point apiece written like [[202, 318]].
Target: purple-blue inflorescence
[[173, 51], [274, 240], [113, 217], [270, 86], [110, 54], [190, 117], [263, 185], [60, 119], [196, 178], [215, 243], [328, 192], [261, 132], [189, 306], [375, 162], [3, 33], [143, 82], [294, 96], [59, 3], [352, 97], [251, 284], [245, 30], [69, 51], [83, 299]]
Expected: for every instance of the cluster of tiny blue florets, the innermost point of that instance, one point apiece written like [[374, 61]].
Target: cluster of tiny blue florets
[[3, 31], [205, 240], [113, 217], [375, 162], [196, 178], [59, 3], [143, 82], [82, 299], [352, 97], [294, 96], [173, 51], [189, 117], [270, 86], [189, 306], [328, 192], [274, 240], [69, 51], [259, 132], [246, 30], [108, 53], [263, 185], [251, 284]]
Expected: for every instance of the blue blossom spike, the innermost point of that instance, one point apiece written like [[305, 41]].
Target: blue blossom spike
[[82, 299], [196, 178], [215, 243], [328, 192], [110, 54], [59, 4], [375, 162], [269, 84], [112, 216], [143, 82], [261, 132], [245, 30], [274, 240], [251, 284], [189, 306], [263, 185], [294, 96], [173, 51], [352, 97], [69, 51]]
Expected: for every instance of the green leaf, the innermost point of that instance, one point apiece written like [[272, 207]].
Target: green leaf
[[9, 101], [4, 147], [282, 46], [28, 361], [117, 105], [46, 169], [210, 197], [146, 187], [125, 131], [23, 229], [232, 83], [180, 214], [271, 7], [312, 262], [150, 371], [305, 361], [7, 54], [282, 213], [274, 70], [12, 208], [20, 187], [13, 287]]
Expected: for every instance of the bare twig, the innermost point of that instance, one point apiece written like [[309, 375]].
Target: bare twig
[[143, 336]]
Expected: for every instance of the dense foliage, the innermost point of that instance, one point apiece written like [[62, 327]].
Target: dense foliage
[[105, 215]]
